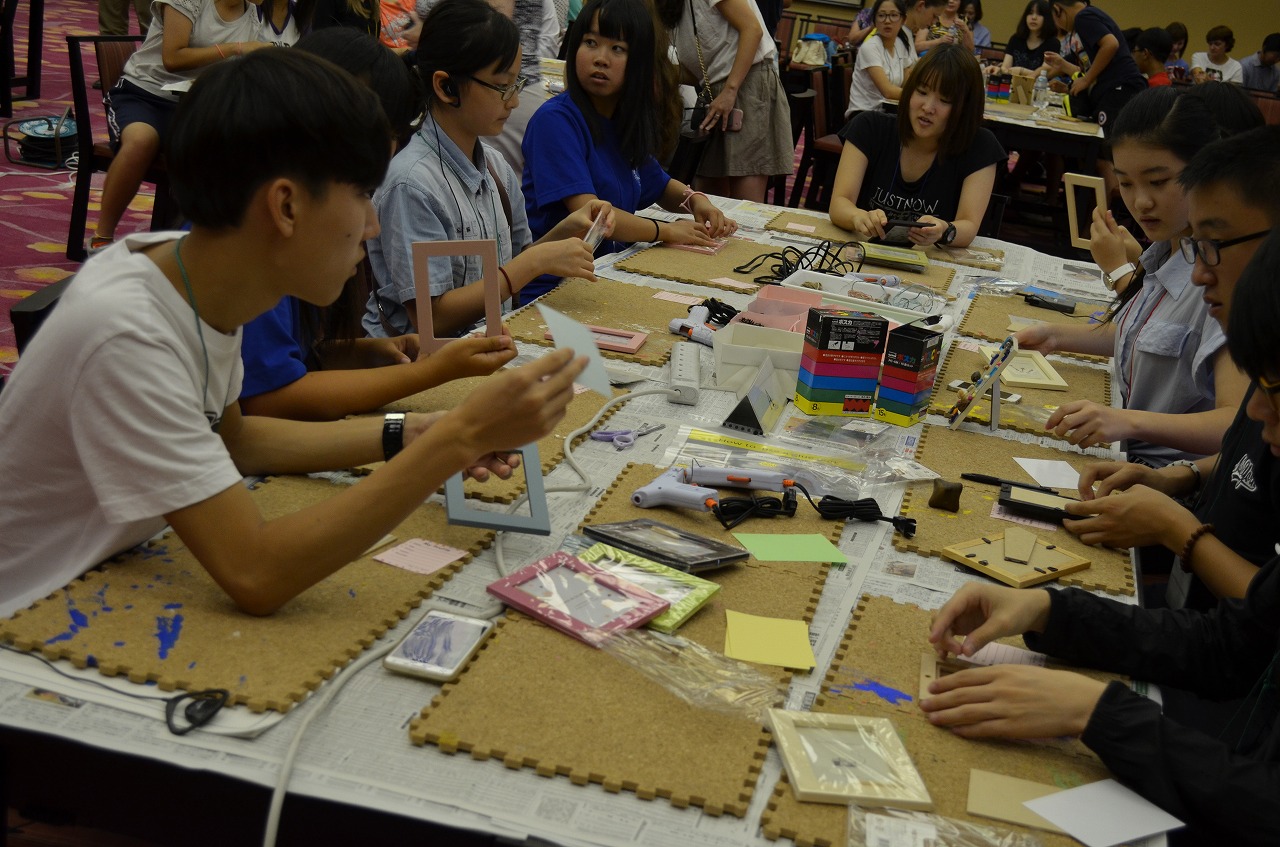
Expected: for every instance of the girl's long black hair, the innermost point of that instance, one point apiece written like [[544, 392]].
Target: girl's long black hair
[[637, 119]]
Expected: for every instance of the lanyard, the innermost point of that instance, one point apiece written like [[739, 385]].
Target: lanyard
[[446, 162]]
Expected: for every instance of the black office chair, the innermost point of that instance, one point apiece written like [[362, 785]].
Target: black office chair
[[28, 314], [112, 51]]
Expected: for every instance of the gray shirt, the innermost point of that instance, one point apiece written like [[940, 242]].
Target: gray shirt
[[1257, 76], [146, 69], [434, 192], [1165, 345]]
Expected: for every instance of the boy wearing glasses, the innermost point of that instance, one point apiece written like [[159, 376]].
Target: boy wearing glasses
[[1233, 195]]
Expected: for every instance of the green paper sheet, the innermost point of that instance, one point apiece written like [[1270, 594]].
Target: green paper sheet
[[781, 547]]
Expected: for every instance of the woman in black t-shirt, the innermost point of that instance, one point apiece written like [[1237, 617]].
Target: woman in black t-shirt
[[933, 164], [1036, 34]]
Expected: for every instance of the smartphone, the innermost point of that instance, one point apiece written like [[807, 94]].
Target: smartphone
[[439, 646], [895, 222], [735, 120], [1051, 301]]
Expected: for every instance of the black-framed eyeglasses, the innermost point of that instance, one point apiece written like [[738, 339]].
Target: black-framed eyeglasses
[[507, 91], [893, 16], [1208, 249]]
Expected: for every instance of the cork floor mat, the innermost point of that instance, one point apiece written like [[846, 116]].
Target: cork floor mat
[[879, 658], [582, 408], [700, 268], [936, 277], [951, 453], [1030, 413], [154, 614], [536, 698], [612, 304], [988, 318]]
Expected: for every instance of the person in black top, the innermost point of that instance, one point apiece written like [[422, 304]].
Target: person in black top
[[1036, 35], [1096, 49], [1224, 790], [933, 163]]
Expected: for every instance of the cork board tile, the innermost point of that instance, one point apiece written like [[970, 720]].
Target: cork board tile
[[612, 304], [951, 453], [154, 614], [582, 408], [988, 318], [944, 760], [1029, 414], [700, 268], [534, 698], [770, 589]]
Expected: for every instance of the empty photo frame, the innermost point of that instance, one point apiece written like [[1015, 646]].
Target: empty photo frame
[[685, 592], [1029, 369], [616, 340], [847, 759], [1070, 182], [423, 251], [537, 522]]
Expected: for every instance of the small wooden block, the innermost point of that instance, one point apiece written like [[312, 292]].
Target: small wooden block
[[946, 495], [1018, 544], [1047, 561], [931, 668], [1000, 797]]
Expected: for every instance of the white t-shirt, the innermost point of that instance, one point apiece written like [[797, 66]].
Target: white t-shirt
[[863, 94], [146, 69], [1228, 71], [719, 41], [105, 423]]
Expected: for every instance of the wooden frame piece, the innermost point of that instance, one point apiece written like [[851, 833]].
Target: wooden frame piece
[[968, 399], [537, 522], [1029, 369], [847, 759], [487, 250], [616, 340], [987, 555], [576, 598], [931, 668], [1070, 183]]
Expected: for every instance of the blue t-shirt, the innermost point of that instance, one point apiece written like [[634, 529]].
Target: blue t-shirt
[[561, 160], [272, 349]]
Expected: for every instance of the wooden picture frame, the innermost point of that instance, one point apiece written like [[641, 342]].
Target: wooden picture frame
[[932, 668], [847, 759], [576, 598], [616, 340], [422, 251], [1070, 182], [987, 555], [1028, 369]]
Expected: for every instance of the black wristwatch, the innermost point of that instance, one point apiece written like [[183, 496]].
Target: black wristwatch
[[948, 235], [392, 434]]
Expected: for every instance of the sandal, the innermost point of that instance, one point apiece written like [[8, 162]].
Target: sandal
[[99, 243]]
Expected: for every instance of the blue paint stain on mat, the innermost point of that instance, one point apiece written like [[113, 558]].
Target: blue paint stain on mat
[[891, 695], [78, 621], [167, 632]]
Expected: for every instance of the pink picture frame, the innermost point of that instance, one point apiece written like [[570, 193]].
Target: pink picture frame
[[487, 250], [615, 340], [577, 598]]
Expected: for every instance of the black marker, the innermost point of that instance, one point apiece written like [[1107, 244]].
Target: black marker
[[995, 480]]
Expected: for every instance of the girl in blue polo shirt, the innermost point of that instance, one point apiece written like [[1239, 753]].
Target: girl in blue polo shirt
[[598, 139]]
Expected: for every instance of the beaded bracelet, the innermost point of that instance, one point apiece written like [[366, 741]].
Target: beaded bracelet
[[1196, 535]]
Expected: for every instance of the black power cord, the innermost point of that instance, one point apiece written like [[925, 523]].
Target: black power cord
[[202, 708], [718, 314], [732, 511], [825, 257]]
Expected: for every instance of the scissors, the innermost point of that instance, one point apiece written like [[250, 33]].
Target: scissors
[[623, 439]]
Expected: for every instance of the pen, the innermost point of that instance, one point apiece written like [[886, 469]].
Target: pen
[[995, 480]]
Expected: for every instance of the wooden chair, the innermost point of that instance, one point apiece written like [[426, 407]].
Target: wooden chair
[[827, 147], [111, 52]]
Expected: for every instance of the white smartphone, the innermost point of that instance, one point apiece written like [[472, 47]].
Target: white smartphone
[[439, 646]]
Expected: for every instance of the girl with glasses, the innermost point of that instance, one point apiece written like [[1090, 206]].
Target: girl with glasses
[[1170, 364], [883, 59], [598, 140], [447, 184]]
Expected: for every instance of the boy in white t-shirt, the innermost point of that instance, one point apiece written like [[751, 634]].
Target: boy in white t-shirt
[[1214, 65], [122, 414]]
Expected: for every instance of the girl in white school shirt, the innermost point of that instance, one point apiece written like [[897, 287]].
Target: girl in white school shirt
[[1170, 363], [446, 184]]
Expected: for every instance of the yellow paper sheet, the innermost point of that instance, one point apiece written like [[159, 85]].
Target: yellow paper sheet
[[767, 641]]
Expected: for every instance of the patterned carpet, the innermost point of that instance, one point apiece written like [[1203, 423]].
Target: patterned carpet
[[35, 204]]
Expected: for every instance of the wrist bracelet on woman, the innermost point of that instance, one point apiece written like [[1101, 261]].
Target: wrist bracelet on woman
[[1195, 470], [686, 202], [1198, 533], [657, 235], [218, 47], [511, 288]]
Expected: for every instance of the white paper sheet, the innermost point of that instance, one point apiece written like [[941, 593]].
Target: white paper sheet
[[1103, 813], [569, 333], [1054, 473]]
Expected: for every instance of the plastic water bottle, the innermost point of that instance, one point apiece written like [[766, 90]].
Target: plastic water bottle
[[1040, 95]]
